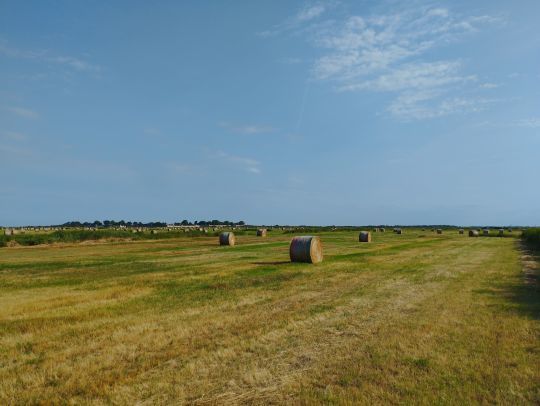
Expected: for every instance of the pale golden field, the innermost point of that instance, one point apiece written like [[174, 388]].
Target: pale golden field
[[412, 318]]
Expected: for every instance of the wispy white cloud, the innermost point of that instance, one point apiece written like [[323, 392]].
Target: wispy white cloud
[[249, 164], [75, 63], [529, 122], [423, 105], [23, 112], [310, 12], [247, 129], [489, 85], [71, 62], [15, 151], [13, 135], [423, 75], [391, 53]]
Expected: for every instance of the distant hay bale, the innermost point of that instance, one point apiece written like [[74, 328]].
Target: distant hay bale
[[473, 233], [153, 232], [485, 231], [509, 230], [461, 231], [227, 238], [306, 249], [8, 231], [364, 236], [261, 232], [382, 229], [398, 231], [501, 232], [439, 231]]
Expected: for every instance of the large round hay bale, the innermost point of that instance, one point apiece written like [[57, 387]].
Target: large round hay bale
[[261, 232], [399, 231], [461, 231], [473, 233], [306, 249], [227, 238], [501, 232], [439, 231], [364, 236], [485, 231], [382, 229]]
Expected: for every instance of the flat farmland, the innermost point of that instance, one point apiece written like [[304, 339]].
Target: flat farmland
[[412, 318]]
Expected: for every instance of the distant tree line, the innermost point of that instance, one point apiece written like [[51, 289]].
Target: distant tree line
[[122, 223], [209, 223], [113, 223]]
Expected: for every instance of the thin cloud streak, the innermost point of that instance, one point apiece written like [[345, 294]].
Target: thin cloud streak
[[45, 56], [529, 122], [12, 135], [247, 129], [249, 164], [308, 13], [23, 112]]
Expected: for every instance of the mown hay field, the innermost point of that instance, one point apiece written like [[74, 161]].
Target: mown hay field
[[414, 318]]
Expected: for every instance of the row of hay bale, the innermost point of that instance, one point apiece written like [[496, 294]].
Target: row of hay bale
[[309, 248], [485, 232], [301, 249]]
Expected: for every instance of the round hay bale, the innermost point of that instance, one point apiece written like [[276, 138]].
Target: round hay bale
[[399, 231], [509, 230], [382, 229], [439, 231], [227, 238], [461, 231], [364, 236], [153, 232], [473, 233], [261, 232], [501, 232], [306, 249], [485, 231]]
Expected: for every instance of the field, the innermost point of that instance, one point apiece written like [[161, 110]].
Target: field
[[412, 318]]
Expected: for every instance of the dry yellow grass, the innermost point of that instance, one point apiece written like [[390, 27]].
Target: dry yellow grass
[[414, 319]]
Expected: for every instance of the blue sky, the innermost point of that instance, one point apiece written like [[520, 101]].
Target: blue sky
[[324, 112]]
